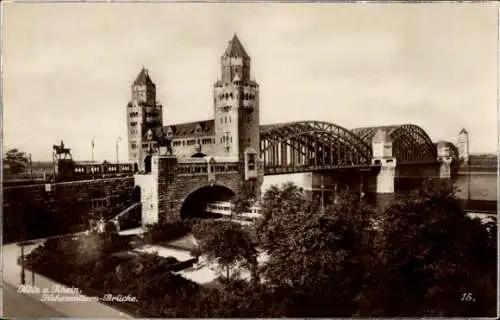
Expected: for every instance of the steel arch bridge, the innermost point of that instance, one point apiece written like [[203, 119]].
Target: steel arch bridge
[[411, 144], [309, 146]]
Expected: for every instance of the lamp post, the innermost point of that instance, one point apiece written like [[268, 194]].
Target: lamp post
[[117, 144], [468, 167], [322, 196], [92, 168], [92, 150], [31, 168], [23, 236]]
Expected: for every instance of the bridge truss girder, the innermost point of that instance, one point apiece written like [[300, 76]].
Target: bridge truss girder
[[410, 143], [311, 145]]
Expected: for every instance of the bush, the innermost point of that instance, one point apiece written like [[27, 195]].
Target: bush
[[167, 231], [145, 276]]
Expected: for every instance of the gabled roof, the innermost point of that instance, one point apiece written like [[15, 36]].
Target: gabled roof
[[143, 78], [235, 49], [189, 129]]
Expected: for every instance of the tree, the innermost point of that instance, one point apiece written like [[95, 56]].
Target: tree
[[17, 161], [225, 243], [317, 258], [432, 259]]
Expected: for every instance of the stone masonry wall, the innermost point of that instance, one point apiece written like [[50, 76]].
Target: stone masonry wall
[[66, 205]]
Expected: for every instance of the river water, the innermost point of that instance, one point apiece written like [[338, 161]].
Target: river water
[[483, 185]]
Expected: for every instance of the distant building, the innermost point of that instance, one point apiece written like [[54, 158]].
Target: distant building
[[233, 133], [483, 161]]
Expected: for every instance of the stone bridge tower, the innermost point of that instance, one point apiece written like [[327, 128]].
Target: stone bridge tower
[[143, 113], [237, 116]]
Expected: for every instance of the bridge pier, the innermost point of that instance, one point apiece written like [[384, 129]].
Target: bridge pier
[[445, 160], [382, 155]]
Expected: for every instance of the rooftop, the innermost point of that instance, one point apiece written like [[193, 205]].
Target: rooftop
[[235, 49]]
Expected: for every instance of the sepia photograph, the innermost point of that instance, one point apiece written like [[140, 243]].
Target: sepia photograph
[[249, 160]]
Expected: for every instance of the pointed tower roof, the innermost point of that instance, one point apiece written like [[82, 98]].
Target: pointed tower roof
[[235, 49], [143, 78], [463, 131]]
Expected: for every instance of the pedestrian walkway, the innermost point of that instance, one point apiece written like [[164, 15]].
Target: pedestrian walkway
[[80, 307], [19, 305]]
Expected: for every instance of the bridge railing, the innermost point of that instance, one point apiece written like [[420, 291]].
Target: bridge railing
[[280, 169], [206, 168]]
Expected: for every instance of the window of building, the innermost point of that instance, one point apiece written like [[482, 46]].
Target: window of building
[[229, 119], [225, 119], [221, 120], [251, 161], [183, 142]]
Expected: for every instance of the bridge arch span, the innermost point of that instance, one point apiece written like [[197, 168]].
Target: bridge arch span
[[410, 142], [194, 203], [303, 145]]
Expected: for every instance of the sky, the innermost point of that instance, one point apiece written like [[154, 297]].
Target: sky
[[68, 67]]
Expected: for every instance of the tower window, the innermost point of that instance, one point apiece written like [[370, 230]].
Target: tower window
[[231, 95], [251, 161], [221, 120], [225, 119], [229, 119]]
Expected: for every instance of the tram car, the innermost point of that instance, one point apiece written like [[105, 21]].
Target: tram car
[[225, 210], [67, 169]]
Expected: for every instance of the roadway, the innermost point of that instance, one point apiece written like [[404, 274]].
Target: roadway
[[17, 304]]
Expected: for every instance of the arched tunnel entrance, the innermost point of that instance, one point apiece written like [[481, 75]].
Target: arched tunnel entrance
[[195, 204]]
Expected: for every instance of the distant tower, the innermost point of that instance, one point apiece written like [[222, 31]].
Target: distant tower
[[236, 110], [463, 145], [143, 113]]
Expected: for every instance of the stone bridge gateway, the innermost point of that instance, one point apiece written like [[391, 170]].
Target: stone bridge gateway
[[185, 165]]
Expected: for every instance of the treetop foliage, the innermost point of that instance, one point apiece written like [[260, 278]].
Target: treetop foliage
[[15, 161]]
